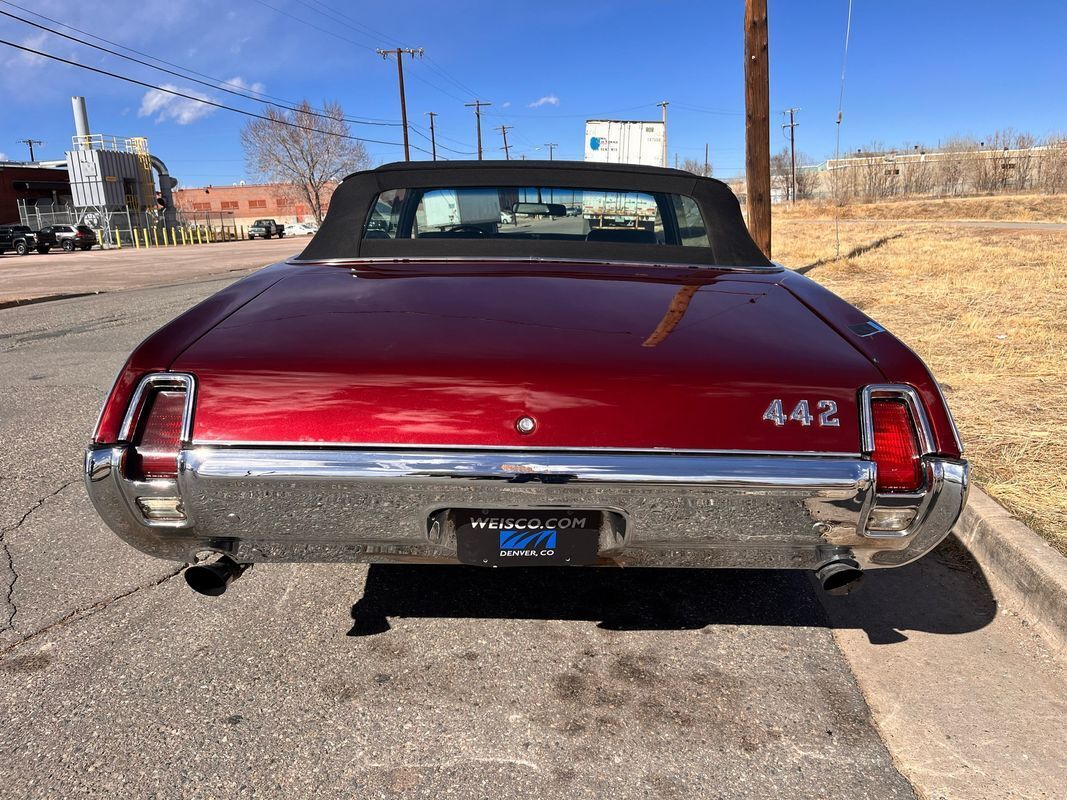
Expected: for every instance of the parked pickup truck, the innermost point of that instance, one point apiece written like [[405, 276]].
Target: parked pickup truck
[[18, 238], [265, 228]]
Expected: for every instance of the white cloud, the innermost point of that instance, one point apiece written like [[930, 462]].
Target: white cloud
[[165, 106], [547, 100], [23, 59], [506, 104], [255, 87], [3, 156]]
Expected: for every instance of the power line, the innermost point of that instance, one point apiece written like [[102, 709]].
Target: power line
[[308, 110], [197, 99], [186, 72]]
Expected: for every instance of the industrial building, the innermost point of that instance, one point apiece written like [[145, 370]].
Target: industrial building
[[112, 184], [244, 203]]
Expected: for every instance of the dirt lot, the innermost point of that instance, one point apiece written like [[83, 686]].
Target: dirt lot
[[1024, 208], [987, 310]]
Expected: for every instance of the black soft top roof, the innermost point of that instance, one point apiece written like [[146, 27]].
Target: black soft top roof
[[341, 234]]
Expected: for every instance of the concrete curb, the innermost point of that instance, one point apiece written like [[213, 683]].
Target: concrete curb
[[1025, 573]]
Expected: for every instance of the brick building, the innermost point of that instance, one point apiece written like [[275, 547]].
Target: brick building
[[30, 182], [246, 203]]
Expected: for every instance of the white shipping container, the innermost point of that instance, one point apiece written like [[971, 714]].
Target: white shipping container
[[612, 141], [444, 208]]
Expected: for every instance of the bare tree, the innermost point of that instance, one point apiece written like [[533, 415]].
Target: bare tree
[[697, 167], [308, 150], [1052, 168], [781, 175], [807, 177]]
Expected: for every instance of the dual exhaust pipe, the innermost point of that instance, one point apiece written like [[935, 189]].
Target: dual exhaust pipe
[[837, 577]]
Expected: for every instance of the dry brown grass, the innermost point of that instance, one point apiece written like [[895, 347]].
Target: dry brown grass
[[1023, 208], [987, 310]]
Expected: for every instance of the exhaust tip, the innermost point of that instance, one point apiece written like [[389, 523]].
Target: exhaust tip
[[840, 577], [213, 579]]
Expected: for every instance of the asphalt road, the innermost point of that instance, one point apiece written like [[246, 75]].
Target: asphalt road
[[335, 680]]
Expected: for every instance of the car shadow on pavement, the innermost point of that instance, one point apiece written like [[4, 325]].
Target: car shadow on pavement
[[945, 592]]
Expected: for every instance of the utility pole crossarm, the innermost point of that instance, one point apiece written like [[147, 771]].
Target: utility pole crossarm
[[477, 106], [792, 124], [30, 143], [551, 150], [504, 133], [400, 52], [433, 134]]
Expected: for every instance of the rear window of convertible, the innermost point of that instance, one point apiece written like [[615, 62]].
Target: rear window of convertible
[[537, 213]]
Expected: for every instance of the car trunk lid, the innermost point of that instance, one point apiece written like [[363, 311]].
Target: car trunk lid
[[598, 356]]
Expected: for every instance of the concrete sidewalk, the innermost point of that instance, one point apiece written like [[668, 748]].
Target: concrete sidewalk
[[62, 274]]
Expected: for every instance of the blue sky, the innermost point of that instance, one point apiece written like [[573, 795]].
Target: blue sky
[[917, 72]]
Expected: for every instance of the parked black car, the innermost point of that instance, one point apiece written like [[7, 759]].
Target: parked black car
[[20, 239], [69, 237]]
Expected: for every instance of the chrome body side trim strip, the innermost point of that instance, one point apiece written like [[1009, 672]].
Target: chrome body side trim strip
[[355, 262], [423, 448], [665, 509]]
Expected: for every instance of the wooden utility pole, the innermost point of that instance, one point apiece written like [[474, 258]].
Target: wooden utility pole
[[707, 170], [433, 135], [757, 125], [551, 150], [399, 52], [504, 132], [792, 153], [477, 106], [663, 106]]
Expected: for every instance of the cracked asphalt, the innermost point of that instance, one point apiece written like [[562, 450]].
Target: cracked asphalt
[[388, 681]]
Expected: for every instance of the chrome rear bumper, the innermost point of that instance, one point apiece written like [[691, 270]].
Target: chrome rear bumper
[[382, 505]]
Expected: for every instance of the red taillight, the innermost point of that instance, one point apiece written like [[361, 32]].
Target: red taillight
[[156, 445], [896, 447]]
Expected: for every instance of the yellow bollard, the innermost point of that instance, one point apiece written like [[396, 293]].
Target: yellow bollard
[[155, 237], [182, 232], [118, 239], [173, 238], [144, 233], [136, 238]]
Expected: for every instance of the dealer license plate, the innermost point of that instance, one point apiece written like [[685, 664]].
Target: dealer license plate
[[510, 538]]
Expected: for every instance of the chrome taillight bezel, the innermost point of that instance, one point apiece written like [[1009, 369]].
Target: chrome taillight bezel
[[894, 391], [160, 381]]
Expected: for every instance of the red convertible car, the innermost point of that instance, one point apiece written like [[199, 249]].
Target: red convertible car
[[536, 363]]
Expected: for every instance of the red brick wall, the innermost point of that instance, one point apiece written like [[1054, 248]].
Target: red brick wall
[[247, 203], [10, 175]]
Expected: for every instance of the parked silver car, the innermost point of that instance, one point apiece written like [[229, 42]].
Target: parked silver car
[[69, 237]]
